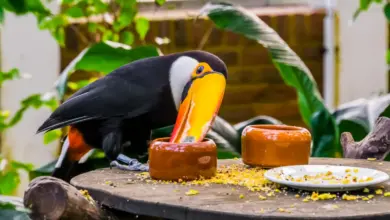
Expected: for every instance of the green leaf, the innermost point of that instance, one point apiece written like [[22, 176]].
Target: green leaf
[[12, 207], [160, 2], [103, 57], [36, 6], [74, 12], [35, 101], [10, 75], [9, 182], [45, 170], [292, 69], [127, 37], [387, 11], [124, 20], [108, 56], [126, 3], [19, 165], [51, 136], [55, 24], [68, 2], [115, 37], [21, 7], [80, 84], [99, 6], [107, 35], [92, 27], [226, 154], [1, 14], [59, 35], [364, 5], [142, 27], [325, 135], [363, 112]]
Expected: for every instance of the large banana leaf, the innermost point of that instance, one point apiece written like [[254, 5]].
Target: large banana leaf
[[103, 57], [359, 116], [293, 71]]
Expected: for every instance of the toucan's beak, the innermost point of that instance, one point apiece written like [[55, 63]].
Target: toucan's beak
[[199, 107]]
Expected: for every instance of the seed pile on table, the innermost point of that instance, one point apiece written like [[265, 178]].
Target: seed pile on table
[[253, 179]]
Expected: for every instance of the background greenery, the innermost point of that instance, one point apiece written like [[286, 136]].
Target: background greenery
[[112, 44]]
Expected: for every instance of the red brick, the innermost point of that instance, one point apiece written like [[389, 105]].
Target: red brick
[[255, 55], [254, 84], [232, 38], [261, 74], [236, 113], [72, 41], [316, 32], [264, 92], [282, 28], [300, 30], [153, 32], [242, 94], [198, 29], [286, 109], [180, 34], [215, 38], [229, 57], [309, 53]]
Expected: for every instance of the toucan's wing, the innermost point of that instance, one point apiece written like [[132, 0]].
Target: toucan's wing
[[107, 97]]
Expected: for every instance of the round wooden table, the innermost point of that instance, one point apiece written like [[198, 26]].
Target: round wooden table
[[217, 201]]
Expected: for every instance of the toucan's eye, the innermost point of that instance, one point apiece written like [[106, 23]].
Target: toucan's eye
[[199, 70]]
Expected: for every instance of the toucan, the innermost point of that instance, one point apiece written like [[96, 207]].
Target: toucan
[[121, 109]]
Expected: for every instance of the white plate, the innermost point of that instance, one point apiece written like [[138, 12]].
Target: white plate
[[298, 171]]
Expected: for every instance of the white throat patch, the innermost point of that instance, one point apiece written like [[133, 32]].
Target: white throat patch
[[180, 75]]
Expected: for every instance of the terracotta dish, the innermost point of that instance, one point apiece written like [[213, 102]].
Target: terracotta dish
[[275, 145], [186, 161]]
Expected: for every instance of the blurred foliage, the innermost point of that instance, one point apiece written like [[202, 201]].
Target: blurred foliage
[[109, 22], [357, 117], [291, 68], [364, 5], [9, 176], [115, 35]]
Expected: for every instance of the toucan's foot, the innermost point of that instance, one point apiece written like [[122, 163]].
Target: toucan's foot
[[131, 164]]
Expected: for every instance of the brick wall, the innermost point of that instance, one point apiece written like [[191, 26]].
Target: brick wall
[[254, 85]]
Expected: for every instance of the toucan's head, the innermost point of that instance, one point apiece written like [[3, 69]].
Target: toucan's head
[[198, 81]]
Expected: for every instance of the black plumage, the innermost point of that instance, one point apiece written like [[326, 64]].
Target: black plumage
[[125, 105]]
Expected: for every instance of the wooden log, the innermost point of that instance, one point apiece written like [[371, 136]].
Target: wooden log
[[375, 145], [52, 198]]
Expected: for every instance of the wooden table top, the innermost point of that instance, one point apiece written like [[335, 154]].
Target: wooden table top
[[130, 194]]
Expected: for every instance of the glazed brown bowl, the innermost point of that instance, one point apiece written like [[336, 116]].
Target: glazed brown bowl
[[275, 145], [186, 161]]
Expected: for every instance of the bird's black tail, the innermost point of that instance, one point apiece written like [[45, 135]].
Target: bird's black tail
[[64, 167]]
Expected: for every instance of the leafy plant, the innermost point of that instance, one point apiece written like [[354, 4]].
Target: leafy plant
[[365, 5], [9, 176], [357, 117], [293, 71], [104, 53]]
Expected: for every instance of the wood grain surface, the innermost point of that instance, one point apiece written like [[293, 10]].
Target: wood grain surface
[[217, 201]]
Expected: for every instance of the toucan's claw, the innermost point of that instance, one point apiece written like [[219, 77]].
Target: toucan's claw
[[133, 167], [132, 164]]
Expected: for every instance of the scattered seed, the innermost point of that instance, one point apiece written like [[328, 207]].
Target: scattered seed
[[192, 192], [379, 191]]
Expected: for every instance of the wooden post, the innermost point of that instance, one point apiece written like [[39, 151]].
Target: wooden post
[[52, 198], [375, 145]]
